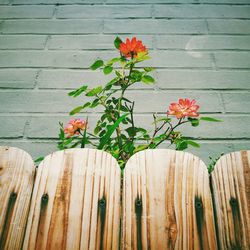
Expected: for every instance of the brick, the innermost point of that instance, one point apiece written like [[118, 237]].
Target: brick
[[155, 26], [151, 1], [22, 42], [232, 59], [203, 79], [70, 79], [158, 101], [58, 101], [54, 59], [203, 42], [76, 59], [51, 26], [225, 1], [237, 102], [35, 148], [48, 126], [179, 59], [212, 149], [230, 128], [229, 26], [215, 149], [242, 145], [2, 2], [90, 41], [201, 11], [18, 2], [12, 127], [106, 11], [17, 78], [8, 12], [42, 101], [192, 59]]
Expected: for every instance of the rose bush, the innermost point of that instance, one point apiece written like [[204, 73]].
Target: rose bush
[[116, 131]]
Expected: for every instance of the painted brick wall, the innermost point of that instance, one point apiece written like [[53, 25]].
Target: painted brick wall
[[201, 49]]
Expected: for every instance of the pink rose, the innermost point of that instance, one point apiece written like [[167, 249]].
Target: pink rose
[[184, 108], [74, 127]]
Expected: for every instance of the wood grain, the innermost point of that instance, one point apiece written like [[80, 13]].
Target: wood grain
[[76, 202], [17, 172], [167, 202], [231, 191]]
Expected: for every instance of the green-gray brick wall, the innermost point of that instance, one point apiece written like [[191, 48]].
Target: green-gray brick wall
[[200, 49]]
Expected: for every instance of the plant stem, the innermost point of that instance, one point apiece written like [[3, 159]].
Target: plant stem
[[171, 130]]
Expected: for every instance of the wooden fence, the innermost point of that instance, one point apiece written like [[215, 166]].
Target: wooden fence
[[74, 200]]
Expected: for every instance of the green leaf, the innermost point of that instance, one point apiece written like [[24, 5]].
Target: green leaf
[[212, 163], [181, 145], [107, 70], [210, 119], [118, 74], [79, 108], [148, 69], [142, 56], [84, 139], [94, 91], [111, 130], [117, 42], [131, 131], [61, 133], [111, 83], [193, 143], [113, 60], [97, 64], [194, 122], [38, 160], [148, 79], [77, 92], [140, 148], [136, 75], [95, 103], [76, 110], [97, 130], [126, 100], [102, 133]]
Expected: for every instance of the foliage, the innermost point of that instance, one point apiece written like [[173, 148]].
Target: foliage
[[115, 130], [212, 163]]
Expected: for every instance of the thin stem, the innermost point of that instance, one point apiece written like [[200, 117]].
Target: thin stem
[[180, 122]]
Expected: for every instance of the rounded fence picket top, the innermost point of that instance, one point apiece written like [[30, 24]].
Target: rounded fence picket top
[[17, 171], [167, 202], [231, 192], [76, 202]]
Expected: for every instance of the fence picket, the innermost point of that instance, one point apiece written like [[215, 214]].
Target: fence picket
[[168, 202], [17, 172], [172, 189], [231, 191], [76, 202]]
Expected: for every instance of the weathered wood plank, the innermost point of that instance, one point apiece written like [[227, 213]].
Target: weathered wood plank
[[231, 191], [76, 202], [167, 202], [17, 172]]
